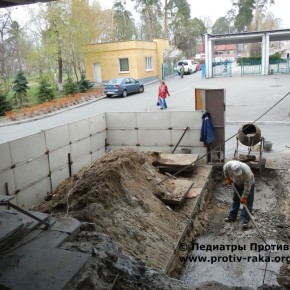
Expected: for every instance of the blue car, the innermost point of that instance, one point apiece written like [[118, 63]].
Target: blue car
[[122, 87]]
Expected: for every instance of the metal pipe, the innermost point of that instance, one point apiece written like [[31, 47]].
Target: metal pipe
[[180, 139]]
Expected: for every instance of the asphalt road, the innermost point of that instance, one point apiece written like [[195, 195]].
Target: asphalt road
[[247, 99]]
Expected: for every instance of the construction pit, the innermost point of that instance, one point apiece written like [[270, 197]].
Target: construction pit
[[140, 221]]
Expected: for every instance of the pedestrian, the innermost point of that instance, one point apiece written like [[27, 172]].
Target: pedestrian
[[182, 71], [242, 179], [162, 94], [203, 70], [288, 55]]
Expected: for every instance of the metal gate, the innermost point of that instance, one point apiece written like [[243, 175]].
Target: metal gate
[[222, 69], [279, 66], [250, 67], [168, 70]]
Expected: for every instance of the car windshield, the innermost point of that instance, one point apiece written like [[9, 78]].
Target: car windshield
[[114, 82]]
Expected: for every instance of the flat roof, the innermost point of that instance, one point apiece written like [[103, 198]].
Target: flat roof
[[10, 3], [249, 37]]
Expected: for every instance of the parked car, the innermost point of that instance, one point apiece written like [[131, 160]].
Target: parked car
[[189, 66], [198, 65], [123, 87]]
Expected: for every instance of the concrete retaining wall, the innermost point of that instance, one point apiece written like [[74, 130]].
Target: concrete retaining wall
[[33, 166]]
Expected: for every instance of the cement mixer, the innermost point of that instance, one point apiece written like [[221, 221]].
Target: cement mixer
[[249, 135]]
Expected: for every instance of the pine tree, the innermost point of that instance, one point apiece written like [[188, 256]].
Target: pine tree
[[4, 104], [20, 88], [45, 91], [84, 84], [70, 87]]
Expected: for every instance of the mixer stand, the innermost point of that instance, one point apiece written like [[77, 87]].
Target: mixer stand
[[253, 156]]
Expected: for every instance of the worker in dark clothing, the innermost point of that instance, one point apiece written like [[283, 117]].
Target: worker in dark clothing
[[242, 178]]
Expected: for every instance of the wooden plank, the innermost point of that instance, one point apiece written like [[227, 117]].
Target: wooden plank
[[176, 162], [181, 189], [177, 159]]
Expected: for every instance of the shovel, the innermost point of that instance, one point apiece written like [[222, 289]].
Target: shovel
[[267, 242]]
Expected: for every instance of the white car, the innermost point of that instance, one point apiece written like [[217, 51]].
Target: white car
[[189, 66]]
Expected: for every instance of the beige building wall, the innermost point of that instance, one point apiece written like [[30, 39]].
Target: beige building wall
[[104, 58]]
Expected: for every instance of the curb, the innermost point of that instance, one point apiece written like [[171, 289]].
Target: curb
[[59, 111], [50, 114]]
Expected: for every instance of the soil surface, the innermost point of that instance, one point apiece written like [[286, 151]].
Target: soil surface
[[128, 230], [120, 194]]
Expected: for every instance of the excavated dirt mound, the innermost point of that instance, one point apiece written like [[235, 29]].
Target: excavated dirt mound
[[119, 194]]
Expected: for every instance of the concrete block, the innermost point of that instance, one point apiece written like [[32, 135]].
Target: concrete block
[[66, 225], [154, 137], [59, 158], [7, 176], [31, 172], [57, 137], [121, 120], [164, 149], [96, 155], [34, 194], [81, 148], [180, 120], [27, 148], [98, 141], [97, 124], [79, 130], [190, 138], [122, 137], [154, 120], [58, 176], [79, 164], [38, 265], [5, 156]]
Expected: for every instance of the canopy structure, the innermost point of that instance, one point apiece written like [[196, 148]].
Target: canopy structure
[[264, 37], [10, 3]]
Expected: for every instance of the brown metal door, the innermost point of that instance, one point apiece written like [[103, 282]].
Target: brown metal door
[[215, 105]]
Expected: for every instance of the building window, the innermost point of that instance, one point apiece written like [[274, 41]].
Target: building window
[[148, 64], [124, 64]]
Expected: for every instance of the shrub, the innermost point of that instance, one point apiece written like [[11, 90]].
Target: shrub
[[84, 84], [5, 105], [45, 91], [20, 87], [70, 87]]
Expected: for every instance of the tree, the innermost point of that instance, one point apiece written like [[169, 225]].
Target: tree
[[221, 26], [178, 15], [84, 84], [260, 11], [18, 45], [20, 87], [186, 37], [45, 91], [4, 103], [124, 26], [150, 11], [249, 10], [245, 14], [5, 24], [70, 87]]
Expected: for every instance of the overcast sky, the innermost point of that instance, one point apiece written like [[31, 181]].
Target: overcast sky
[[201, 9]]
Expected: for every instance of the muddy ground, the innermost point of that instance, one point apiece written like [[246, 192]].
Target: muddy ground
[[127, 228]]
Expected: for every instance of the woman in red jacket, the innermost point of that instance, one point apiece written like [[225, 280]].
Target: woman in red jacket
[[162, 93]]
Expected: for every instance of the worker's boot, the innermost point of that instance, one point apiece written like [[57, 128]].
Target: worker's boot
[[229, 219], [245, 225]]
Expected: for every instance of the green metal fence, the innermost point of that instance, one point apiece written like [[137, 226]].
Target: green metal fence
[[168, 70], [222, 69], [279, 66], [251, 67]]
